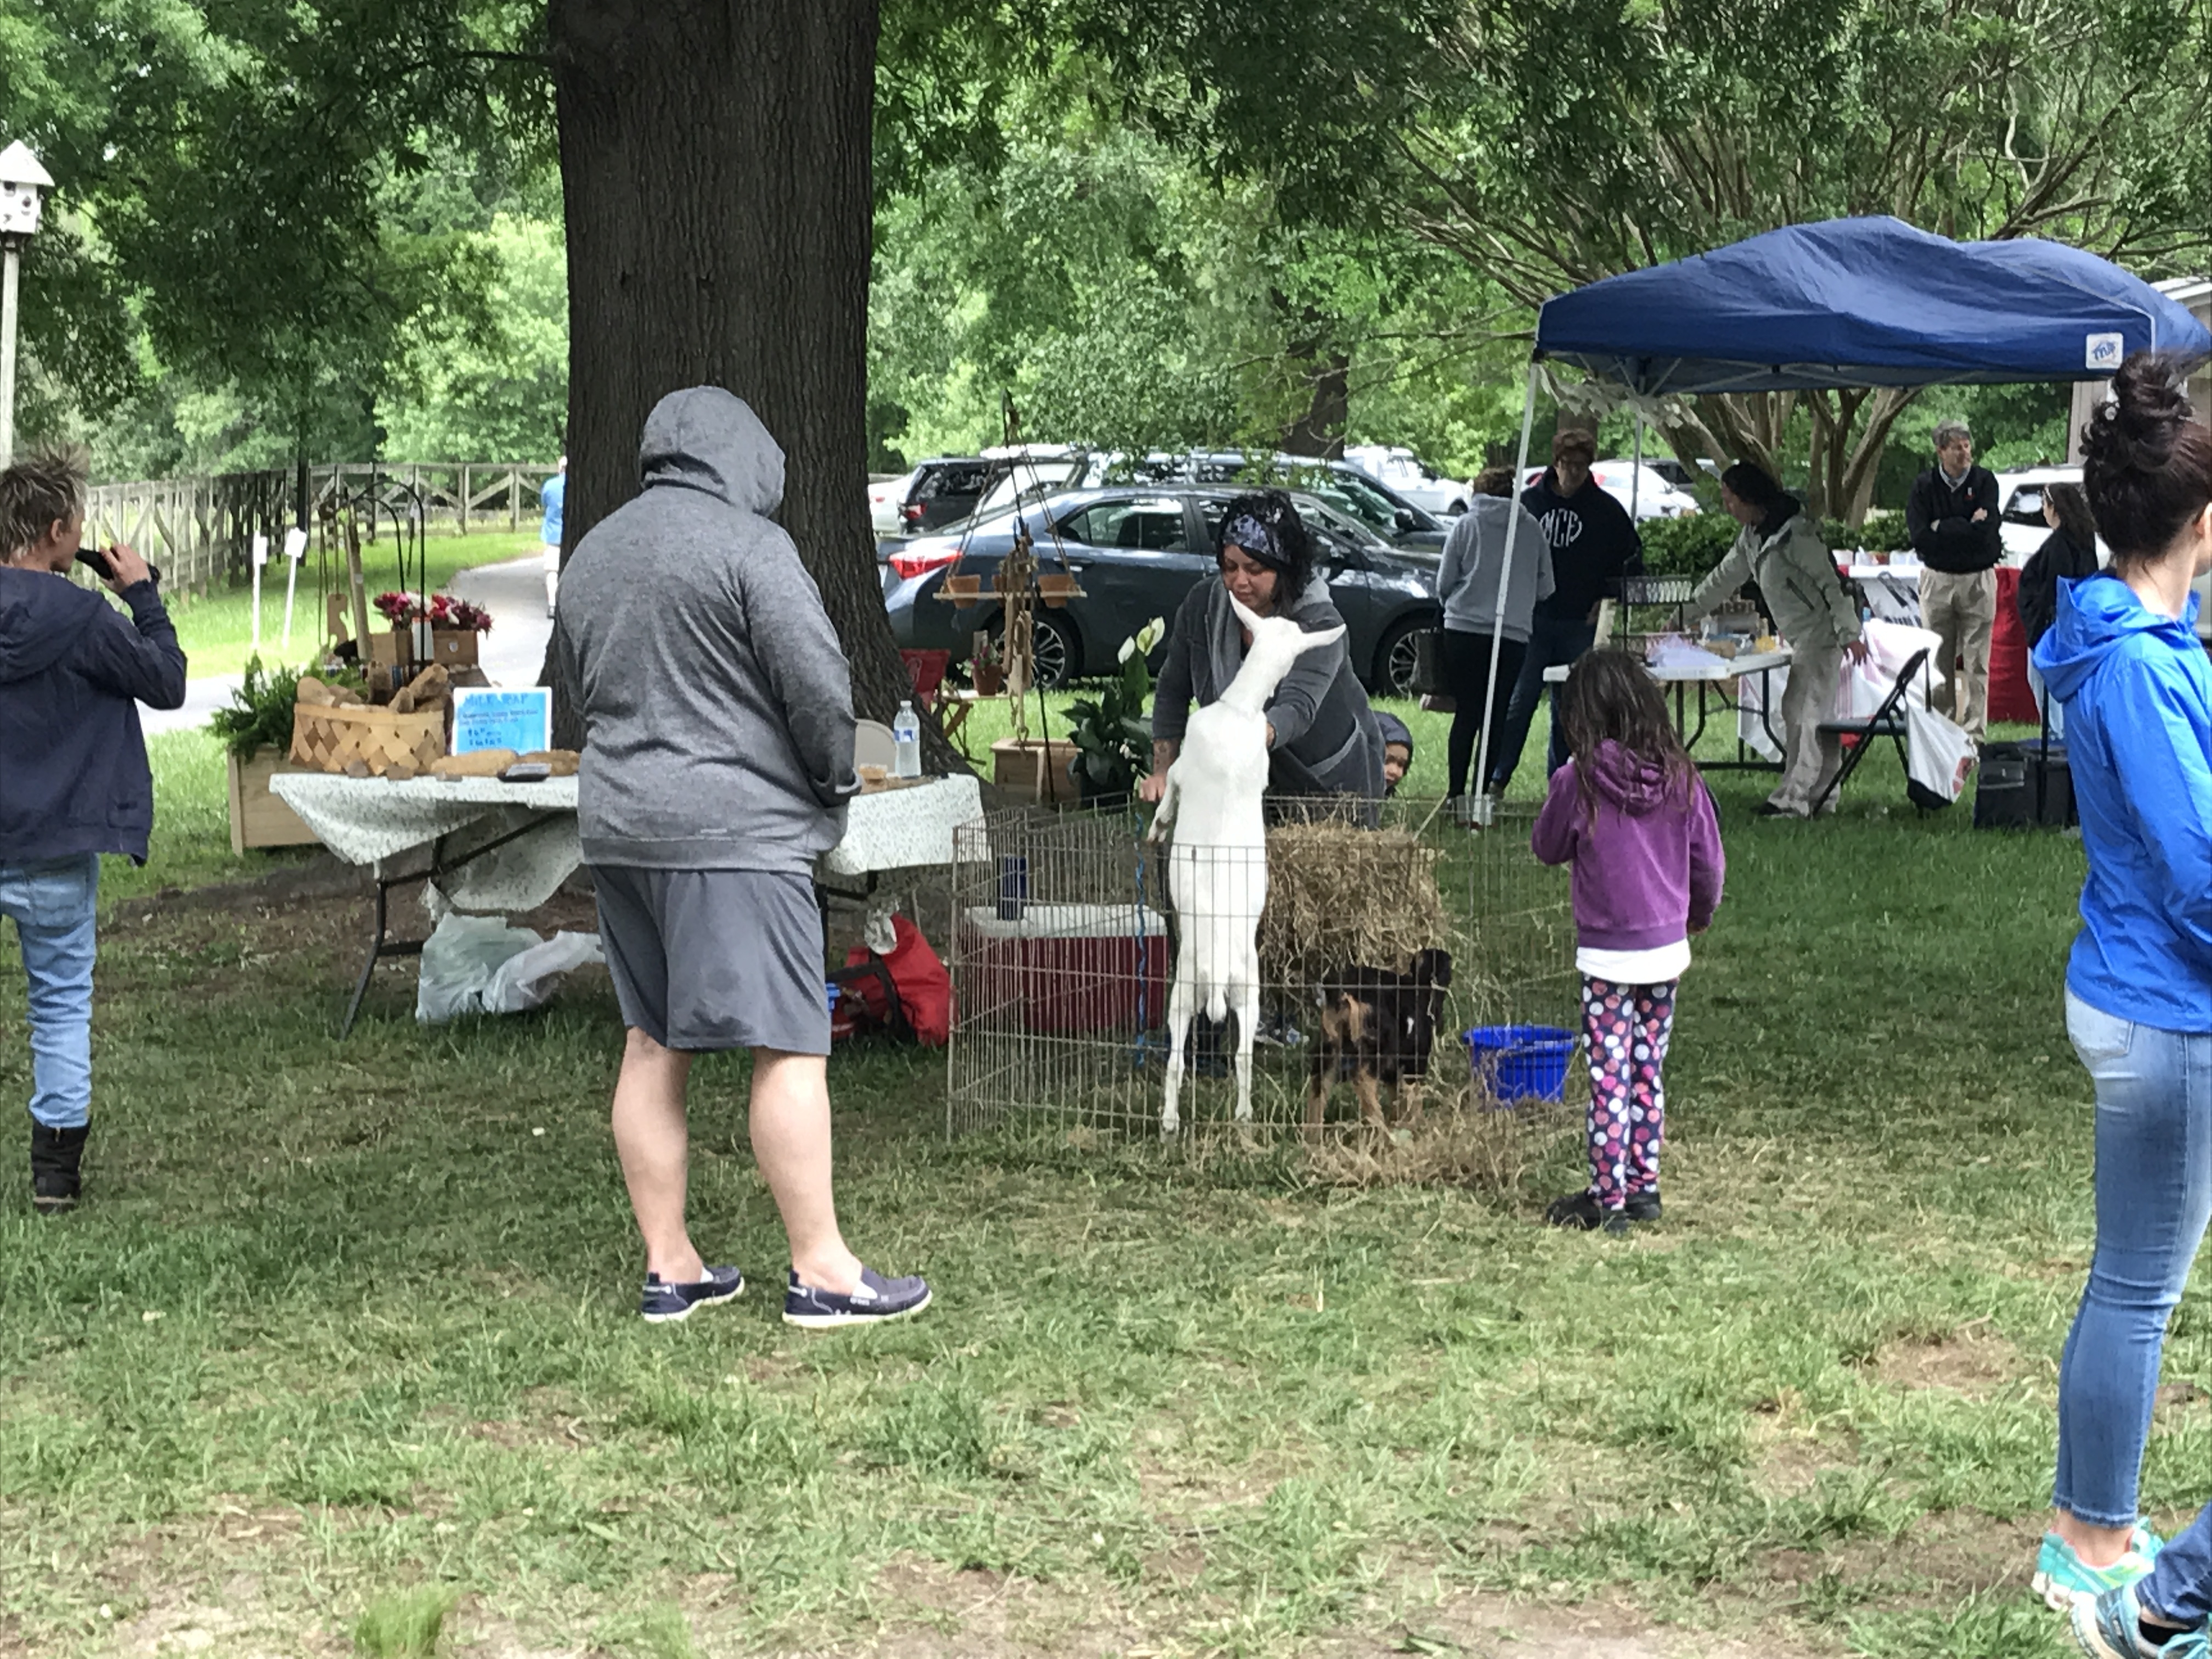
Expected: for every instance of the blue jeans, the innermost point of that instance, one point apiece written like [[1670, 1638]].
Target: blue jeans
[[55, 907], [2154, 1188], [2179, 1589], [1550, 642]]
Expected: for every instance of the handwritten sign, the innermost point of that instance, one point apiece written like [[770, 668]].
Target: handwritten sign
[[495, 717]]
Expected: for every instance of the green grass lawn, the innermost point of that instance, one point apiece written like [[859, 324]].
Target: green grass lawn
[[347, 1331], [216, 629]]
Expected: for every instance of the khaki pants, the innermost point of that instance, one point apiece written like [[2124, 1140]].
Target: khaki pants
[[1962, 611], [1810, 758]]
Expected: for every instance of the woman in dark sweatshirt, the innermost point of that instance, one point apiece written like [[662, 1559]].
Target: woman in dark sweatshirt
[[2068, 553]]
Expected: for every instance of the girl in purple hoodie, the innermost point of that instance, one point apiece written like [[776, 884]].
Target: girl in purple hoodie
[[1631, 813]]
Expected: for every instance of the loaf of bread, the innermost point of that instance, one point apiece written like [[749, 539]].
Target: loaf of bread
[[482, 763], [563, 762], [316, 694]]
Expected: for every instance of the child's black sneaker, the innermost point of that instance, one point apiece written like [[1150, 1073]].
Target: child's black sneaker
[[1578, 1210], [1643, 1207], [877, 1299], [665, 1303], [1582, 1211]]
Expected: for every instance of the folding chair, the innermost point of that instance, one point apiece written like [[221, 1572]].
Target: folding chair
[[1886, 721], [925, 669]]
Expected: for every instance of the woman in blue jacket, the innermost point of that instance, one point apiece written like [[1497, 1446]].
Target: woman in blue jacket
[[2124, 657]]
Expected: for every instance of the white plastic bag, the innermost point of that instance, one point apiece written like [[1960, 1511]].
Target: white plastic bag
[[1938, 755], [1890, 645], [480, 965]]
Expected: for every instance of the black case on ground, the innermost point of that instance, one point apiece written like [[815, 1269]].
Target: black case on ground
[[2023, 785]]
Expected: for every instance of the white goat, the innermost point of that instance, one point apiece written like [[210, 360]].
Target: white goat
[[1217, 865]]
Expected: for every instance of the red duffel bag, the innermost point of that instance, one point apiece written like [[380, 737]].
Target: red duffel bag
[[909, 990]]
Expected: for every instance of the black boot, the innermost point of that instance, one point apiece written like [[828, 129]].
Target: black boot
[[55, 1157]]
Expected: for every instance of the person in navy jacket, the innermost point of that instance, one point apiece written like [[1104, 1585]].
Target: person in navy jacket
[[74, 782]]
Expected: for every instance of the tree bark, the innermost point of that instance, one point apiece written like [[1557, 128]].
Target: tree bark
[[715, 161]]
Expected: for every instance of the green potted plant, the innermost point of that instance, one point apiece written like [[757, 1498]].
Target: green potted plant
[[256, 730], [1112, 734]]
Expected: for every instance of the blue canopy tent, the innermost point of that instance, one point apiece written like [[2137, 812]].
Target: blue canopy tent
[[1851, 302], [1861, 303]]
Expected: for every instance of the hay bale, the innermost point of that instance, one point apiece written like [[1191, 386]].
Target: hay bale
[[1339, 895], [1465, 1142]]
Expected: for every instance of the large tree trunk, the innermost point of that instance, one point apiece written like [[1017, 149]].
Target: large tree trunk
[[715, 162]]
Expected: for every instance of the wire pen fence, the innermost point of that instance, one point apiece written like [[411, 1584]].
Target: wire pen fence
[[1356, 953]]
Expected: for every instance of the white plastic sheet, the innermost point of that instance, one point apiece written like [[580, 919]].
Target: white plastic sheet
[[480, 965], [1890, 645], [1938, 755]]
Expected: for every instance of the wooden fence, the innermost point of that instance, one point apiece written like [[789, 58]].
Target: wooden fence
[[200, 530]]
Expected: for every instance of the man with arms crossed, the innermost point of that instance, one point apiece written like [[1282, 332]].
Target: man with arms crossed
[[1952, 514]]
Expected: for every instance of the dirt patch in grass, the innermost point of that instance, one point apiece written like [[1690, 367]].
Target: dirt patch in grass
[[1971, 1360], [1499, 1627], [1939, 1561], [1790, 1464], [929, 1610], [987, 1614]]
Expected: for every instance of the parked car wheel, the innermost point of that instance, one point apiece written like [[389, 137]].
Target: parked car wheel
[[1058, 655], [1396, 657]]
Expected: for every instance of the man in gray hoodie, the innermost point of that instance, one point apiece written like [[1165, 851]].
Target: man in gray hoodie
[[718, 758]]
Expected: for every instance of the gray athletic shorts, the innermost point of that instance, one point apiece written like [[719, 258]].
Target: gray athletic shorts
[[711, 959]]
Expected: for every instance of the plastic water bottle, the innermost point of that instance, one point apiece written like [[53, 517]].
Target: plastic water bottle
[[906, 731]]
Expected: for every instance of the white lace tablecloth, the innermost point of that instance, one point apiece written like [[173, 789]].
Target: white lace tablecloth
[[898, 828], [396, 826], [387, 824]]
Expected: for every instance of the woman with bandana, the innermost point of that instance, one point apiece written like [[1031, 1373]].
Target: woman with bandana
[[1322, 736]]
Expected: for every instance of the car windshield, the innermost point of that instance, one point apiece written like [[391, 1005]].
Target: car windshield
[[2026, 506], [1356, 497], [1032, 480]]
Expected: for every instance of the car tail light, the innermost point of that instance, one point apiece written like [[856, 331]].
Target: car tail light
[[911, 512], [910, 565]]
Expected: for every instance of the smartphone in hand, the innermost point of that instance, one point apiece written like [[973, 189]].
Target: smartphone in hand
[[95, 559]]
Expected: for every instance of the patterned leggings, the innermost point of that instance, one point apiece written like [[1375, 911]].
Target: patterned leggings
[[1628, 1026]]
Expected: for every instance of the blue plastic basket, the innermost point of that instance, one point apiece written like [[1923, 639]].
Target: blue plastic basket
[[1522, 1062]]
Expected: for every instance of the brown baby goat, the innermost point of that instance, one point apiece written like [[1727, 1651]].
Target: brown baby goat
[[1377, 1027]]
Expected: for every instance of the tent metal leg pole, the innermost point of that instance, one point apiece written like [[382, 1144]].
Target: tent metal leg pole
[[1635, 478], [1636, 518], [1483, 806]]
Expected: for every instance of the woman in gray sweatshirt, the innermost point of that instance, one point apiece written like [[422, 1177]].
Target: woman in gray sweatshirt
[[1322, 735], [1496, 542]]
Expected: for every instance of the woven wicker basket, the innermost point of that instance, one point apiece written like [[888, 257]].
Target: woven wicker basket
[[334, 737]]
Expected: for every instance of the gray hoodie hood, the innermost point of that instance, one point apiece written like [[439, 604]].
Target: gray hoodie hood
[[708, 438]]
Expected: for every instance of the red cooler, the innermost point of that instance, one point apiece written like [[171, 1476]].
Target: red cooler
[[1064, 969]]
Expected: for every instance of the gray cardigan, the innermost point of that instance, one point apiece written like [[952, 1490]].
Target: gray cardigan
[[1327, 742]]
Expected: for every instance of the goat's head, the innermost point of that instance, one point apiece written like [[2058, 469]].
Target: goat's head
[[1277, 644], [1431, 968]]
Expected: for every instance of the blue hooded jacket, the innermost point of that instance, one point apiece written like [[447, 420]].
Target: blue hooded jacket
[[2138, 696], [73, 670]]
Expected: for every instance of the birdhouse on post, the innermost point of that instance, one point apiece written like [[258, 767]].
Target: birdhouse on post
[[23, 187]]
